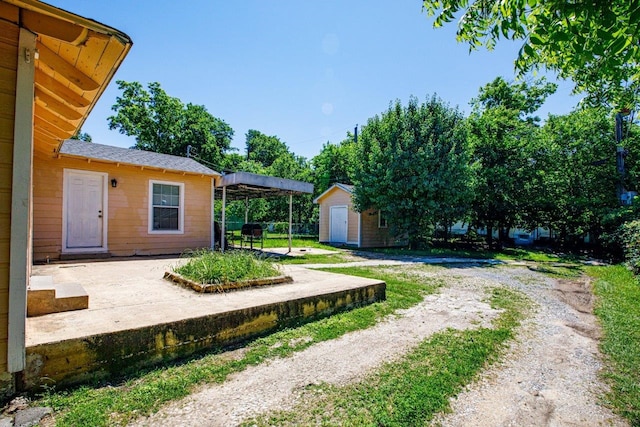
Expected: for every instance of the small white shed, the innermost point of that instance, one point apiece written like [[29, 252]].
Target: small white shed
[[341, 224]]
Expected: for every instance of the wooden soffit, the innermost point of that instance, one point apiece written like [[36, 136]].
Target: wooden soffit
[[76, 59]]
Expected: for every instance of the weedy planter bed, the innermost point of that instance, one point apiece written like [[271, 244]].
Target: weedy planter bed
[[224, 287], [208, 271]]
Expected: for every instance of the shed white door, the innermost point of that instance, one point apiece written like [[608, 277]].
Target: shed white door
[[338, 227], [84, 209]]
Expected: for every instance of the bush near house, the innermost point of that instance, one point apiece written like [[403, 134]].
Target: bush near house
[[630, 239]]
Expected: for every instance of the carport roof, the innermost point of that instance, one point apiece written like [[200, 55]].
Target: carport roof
[[240, 185]]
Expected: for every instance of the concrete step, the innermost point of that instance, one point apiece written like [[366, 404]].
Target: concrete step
[[45, 297], [41, 282], [85, 255]]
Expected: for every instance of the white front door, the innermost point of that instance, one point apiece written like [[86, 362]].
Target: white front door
[[84, 207], [338, 228]]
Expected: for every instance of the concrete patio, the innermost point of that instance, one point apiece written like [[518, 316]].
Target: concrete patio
[[136, 318]]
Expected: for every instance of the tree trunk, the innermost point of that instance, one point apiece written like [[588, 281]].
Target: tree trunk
[[503, 234], [446, 232], [489, 237]]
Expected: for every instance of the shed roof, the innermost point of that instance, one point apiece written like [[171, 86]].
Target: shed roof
[[345, 187], [244, 184], [127, 156]]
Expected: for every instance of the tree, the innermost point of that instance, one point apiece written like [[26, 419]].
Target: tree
[[579, 173], [504, 143], [593, 43], [414, 167], [82, 136], [164, 124], [334, 163], [298, 168], [264, 149], [272, 157], [258, 209], [524, 98]]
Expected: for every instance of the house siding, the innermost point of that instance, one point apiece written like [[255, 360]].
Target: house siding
[[363, 229], [372, 235], [127, 211], [9, 35]]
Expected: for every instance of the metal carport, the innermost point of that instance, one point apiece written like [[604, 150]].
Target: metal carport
[[245, 185]]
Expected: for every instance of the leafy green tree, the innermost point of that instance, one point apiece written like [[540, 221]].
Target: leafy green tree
[[231, 162], [268, 155], [164, 124], [264, 149], [594, 43], [413, 165], [334, 163], [504, 143], [259, 209], [82, 136], [298, 168], [523, 98], [579, 173]]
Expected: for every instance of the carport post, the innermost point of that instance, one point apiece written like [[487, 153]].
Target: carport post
[[246, 209], [213, 214], [222, 225], [290, 217]]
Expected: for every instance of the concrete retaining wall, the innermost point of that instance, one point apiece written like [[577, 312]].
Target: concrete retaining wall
[[113, 354]]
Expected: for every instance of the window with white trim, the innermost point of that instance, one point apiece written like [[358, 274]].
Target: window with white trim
[[382, 221], [166, 207]]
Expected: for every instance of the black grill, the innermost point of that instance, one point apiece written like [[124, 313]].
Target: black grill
[[250, 233]]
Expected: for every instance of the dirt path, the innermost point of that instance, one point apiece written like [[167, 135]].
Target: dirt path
[[548, 378]]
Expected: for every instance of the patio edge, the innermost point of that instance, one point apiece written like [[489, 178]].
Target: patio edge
[[102, 356]]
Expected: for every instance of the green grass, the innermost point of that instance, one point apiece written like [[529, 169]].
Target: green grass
[[559, 271], [522, 254], [116, 404], [210, 267], [618, 308], [411, 391], [433, 252], [281, 241]]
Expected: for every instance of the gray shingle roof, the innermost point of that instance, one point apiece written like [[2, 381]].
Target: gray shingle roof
[[346, 187], [127, 156]]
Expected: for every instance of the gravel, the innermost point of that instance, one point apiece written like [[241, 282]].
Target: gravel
[[548, 377], [550, 374]]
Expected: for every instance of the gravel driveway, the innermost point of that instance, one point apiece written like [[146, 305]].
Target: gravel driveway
[[548, 377]]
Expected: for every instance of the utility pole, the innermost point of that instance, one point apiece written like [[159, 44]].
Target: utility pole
[[620, 155], [355, 133]]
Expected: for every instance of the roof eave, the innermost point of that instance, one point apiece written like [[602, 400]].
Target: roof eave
[[135, 165], [330, 189], [38, 6]]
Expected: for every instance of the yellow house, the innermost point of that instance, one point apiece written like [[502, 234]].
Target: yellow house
[[94, 200], [341, 224], [54, 66]]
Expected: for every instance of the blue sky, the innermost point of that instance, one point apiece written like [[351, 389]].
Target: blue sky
[[305, 71]]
